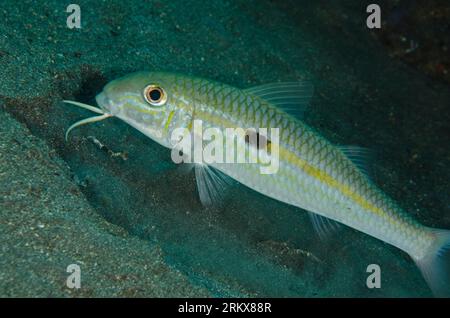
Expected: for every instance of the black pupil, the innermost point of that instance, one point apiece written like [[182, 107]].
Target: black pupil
[[155, 95]]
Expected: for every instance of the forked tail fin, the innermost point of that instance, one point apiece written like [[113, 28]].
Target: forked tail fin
[[435, 265]]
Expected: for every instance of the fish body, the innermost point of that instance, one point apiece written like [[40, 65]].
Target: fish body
[[313, 173]]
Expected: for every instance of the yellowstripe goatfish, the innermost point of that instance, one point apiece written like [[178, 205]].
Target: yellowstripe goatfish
[[313, 174]]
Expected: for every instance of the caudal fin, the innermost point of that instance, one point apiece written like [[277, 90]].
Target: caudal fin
[[435, 265]]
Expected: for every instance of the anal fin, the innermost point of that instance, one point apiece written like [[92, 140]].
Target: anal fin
[[323, 226]]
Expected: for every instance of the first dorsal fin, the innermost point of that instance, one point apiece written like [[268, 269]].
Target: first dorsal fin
[[292, 97]]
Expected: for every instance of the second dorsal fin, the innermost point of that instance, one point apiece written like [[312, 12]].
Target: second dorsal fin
[[292, 97], [360, 156]]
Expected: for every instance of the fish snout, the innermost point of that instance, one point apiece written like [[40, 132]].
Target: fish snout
[[106, 104]]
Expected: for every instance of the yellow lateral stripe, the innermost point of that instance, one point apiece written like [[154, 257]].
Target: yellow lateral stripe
[[330, 181], [139, 109], [169, 119], [303, 165]]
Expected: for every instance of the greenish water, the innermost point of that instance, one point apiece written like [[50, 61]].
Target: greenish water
[[136, 226]]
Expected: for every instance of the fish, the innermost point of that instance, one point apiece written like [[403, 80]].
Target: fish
[[327, 180]]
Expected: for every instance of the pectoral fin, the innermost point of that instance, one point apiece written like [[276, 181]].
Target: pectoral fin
[[211, 184]]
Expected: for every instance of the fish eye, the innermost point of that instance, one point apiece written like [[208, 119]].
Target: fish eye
[[155, 95]]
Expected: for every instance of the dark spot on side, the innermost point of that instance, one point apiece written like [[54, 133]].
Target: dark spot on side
[[257, 140]]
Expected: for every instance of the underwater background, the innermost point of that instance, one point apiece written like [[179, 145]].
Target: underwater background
[[131, 218]]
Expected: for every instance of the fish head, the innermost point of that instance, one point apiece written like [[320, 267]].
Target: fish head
[[151, 102]]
